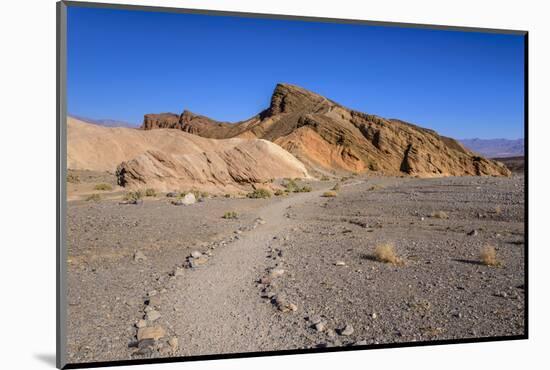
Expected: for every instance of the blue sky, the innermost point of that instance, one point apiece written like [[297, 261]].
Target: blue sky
[[123, 64]]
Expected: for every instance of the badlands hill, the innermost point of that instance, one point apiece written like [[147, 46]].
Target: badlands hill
[[168, 159], [326, 136]]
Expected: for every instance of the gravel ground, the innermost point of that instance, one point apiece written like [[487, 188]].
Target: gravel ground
[[297, 271]]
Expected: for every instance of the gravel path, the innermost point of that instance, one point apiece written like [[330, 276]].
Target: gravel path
[[217, 307]]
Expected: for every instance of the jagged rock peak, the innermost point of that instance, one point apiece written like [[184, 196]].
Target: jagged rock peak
[[287, 98]]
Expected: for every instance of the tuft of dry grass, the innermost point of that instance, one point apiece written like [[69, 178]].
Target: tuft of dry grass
[[386, 253], [336, 187], [150, 192], [73, 178], [488, 256], [325, 178], [133, 195], [498, 210], [93, 197], [279, 192], [375, 187], [259, 194], [230, 215], [329, 194], [103, 187], [440, 214]]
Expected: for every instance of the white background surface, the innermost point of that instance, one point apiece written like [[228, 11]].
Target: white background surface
[[27, 202]]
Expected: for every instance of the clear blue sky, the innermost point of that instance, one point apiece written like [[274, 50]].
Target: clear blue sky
[[123, 64]]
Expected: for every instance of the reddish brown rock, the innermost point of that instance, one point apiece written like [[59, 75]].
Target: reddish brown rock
[[327, 136]]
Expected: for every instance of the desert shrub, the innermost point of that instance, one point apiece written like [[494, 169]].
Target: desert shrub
[[227, 195], [329, 194], [259, 193], [150, 192], [279, 192], [204, 194], [73, 178], [303, 189], [440, 214], [290, 185], [93, 197], [230, 215], [488, 256], [325, 178], [386, 253], [336, 187], [375, 187], [133, 195], [103, 187]]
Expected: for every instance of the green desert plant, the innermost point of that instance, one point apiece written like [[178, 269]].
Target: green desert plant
[[230, 215], [259, 193], [290, 185], [303, 189], [150, 192], [103, 187], [133, 195], [73, 178]]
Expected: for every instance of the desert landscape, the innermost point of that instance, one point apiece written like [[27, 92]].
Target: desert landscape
[[309, 225]]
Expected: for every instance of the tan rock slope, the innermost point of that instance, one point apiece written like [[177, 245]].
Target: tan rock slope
[[329, 137], [170, 159]]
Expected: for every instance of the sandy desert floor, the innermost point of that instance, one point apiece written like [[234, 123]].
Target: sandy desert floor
[[297, 271]]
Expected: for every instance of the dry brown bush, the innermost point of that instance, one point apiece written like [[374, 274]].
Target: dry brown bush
[[386, 253], [440, 214], [488, 256]]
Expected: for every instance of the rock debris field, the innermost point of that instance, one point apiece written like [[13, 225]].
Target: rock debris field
[[386, 260]]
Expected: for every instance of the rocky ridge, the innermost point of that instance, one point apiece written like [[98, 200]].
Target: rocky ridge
[[326, 136]]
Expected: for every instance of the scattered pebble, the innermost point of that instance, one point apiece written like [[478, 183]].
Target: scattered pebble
[[139, 256], [347, 330], [151, 332], [275, 273], [173, 342], [152, 315], [320, 326]]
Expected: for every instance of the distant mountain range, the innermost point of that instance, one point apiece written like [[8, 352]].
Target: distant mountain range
[[105, 122], [495, 148]]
